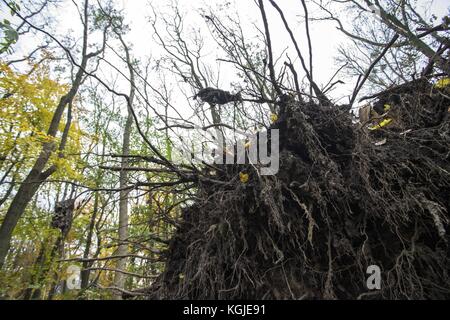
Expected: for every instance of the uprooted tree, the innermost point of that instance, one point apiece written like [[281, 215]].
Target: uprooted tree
[[339, 204], [346, 197]]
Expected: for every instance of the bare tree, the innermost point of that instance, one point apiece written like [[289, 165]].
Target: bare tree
[[374, 24]]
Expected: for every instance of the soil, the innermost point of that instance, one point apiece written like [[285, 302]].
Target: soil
[[341, 202]]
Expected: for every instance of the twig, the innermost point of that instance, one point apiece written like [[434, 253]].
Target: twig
[[374, 63], [269, 48]]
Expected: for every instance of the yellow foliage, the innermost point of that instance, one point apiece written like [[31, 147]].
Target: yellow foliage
[[27, 104], [243, 177], [442, 83], [273, 117], [382, 124]]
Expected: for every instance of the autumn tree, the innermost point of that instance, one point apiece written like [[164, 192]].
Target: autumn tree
[[40, 172]]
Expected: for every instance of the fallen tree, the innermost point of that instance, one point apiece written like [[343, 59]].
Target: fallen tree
[[349, 196], [345, 198]]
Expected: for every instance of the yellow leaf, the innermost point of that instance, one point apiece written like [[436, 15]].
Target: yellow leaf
[[243, 177], [273, 117], [382, 124], [442, 83]]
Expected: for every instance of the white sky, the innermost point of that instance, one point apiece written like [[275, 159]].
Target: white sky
[[325, 36]]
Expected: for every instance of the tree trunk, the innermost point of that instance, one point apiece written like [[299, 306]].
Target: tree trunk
[[86, 265], [122, 250], [25, 193]]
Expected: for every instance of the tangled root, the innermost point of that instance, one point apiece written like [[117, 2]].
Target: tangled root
[[340, 203]]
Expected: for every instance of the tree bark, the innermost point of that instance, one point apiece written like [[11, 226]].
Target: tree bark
[[122, 250], [85, 273]]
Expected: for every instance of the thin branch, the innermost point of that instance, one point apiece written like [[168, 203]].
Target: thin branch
[[369, 70]]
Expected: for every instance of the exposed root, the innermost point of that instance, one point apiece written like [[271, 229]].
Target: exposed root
[[339, 204]]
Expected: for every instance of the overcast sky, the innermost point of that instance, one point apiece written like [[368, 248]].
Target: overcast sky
[[325, 36]]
